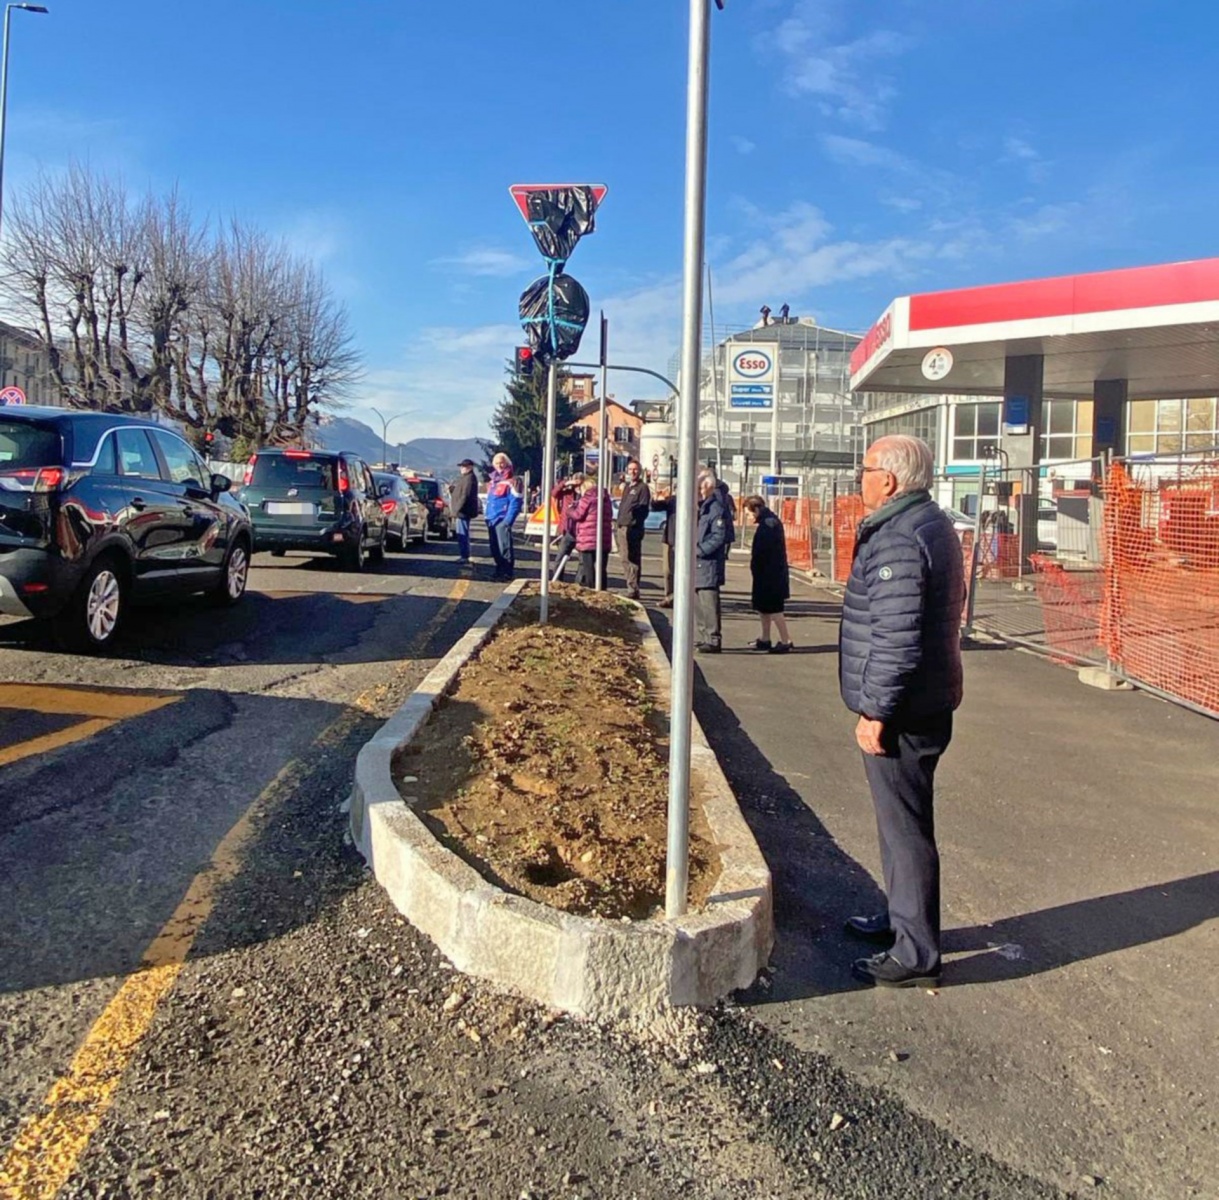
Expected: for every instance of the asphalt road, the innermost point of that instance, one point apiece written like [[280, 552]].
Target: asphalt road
[[177, 808]]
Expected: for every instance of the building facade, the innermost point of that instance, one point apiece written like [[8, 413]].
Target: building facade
[[24, 364]]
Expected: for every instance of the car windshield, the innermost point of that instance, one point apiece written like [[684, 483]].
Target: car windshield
[[25, 444], [425, 489], [293, 471]]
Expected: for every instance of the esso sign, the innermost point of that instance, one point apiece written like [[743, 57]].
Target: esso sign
[[752, 364]]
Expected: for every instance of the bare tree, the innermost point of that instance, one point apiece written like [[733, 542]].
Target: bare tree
[[140, 308]]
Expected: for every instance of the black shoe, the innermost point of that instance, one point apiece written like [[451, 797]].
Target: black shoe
[[871, 929], [780, 648], [760, 644], [708, 648], [883, 970]]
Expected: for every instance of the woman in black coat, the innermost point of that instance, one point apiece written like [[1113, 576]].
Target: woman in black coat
[[768, 562]]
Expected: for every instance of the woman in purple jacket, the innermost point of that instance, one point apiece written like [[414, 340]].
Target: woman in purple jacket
[[584, 521]]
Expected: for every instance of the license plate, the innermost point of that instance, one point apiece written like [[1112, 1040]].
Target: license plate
[[285, 508]]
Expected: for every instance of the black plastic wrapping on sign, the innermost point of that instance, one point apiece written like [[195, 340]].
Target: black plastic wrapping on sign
[[554, 327], [559, 218]]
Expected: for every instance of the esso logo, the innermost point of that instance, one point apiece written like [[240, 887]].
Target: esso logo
[[751, 364]]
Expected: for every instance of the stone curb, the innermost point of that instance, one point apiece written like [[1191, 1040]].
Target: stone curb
[[586, 966]]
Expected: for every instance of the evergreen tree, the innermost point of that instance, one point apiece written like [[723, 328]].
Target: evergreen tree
[[519, 423]]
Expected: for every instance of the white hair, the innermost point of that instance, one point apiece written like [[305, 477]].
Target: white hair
[[907, 458], [709, 475]]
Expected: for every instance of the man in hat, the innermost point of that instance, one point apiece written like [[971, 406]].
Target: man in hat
[[463, 498]]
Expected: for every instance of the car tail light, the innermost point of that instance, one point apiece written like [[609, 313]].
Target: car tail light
[[249, 471], [388, 505], [33, 479], [297, 454], [344, 482], [438, 504]]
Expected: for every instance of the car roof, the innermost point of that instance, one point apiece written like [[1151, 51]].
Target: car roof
[[281, 450]]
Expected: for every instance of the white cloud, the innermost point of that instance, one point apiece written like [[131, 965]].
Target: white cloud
[[485, 261], [844, 75], [742, 145], [1021, 152], [855, 152]]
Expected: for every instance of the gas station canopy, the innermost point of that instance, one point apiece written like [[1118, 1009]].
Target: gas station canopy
[[1157, 328]]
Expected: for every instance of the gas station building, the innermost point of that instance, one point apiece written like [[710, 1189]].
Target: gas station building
[[1045, 375]]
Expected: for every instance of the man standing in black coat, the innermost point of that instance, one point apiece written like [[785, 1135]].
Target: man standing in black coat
[[463, 500], [633, 511], [900, 670], [710, 552]]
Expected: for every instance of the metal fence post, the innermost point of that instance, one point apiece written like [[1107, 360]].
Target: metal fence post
[[547, 483]]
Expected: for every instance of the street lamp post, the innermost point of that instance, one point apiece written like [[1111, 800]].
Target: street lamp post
[[386, 422], [8, 12]]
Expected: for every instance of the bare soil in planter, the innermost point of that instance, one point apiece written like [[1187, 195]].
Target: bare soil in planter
[[547, 768]]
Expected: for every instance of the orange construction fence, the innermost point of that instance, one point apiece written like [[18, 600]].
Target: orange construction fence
[[797, 518], [1159, 618]]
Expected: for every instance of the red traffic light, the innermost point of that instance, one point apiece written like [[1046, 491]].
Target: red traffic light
[[209, 437], [524, 360]]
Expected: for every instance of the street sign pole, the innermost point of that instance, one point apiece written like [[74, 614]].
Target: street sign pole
[[681, 701], [602, 470], [548, 483]]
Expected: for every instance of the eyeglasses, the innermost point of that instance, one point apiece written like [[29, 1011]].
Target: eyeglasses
[[861, 471]]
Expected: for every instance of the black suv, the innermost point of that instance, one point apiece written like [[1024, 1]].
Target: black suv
[[98, 510], [434, 496], [315, 500]]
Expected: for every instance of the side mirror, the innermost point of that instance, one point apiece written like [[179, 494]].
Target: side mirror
[[220, 483]]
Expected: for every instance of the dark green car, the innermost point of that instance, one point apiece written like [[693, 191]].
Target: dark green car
[[315, 500]]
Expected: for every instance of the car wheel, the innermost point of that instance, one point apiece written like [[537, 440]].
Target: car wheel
[[97, 608], [377, 553], [352, 556], [234, 575]]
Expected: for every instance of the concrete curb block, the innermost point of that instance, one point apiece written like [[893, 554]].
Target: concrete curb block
[[582, 965]]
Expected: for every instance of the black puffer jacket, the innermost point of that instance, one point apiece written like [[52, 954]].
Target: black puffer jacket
[[899, 647]]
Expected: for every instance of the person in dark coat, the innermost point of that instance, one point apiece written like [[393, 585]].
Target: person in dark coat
[[899, 668], [768, 565], [710, 551], [584, 516], [633, 510], [463, 500]]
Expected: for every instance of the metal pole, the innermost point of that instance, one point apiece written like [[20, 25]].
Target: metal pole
[[973, 556], [599, 570], [677, 865], [774, 414], [547, 484], [715, 385], [8, 11]]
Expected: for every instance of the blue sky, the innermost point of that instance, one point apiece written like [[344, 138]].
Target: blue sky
[[858, 151]]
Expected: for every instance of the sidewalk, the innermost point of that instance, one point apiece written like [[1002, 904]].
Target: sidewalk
[[1076, 1031]]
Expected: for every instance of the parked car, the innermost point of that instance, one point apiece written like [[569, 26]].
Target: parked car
[[1047, 526], [434, 496], [407, 516], [98, 511], [315, 500]]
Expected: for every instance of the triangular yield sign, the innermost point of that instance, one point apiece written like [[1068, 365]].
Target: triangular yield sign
[[520, 193]]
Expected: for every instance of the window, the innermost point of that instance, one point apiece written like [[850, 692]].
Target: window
[[106, 463], [183, 463], [973, 427], [1066, 429], [135, 454], [623, 433], [1172, 426]]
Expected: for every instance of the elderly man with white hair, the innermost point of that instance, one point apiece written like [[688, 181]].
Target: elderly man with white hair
[[900, 670]]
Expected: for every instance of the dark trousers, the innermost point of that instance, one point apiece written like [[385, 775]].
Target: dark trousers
[[630, 549], [588, 569], [708, 613], [500, 536], [463, 538], [902, 783], [567, 547], [666, 567]]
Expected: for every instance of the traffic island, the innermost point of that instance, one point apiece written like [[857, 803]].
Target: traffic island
[[513, 809]]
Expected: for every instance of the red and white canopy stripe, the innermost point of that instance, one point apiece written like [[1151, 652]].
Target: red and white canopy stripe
[[1157, 327]]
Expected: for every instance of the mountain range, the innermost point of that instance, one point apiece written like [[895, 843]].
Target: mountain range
[[438, 455]]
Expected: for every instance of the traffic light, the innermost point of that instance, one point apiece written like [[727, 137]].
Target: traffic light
[[524, 360], [209, 437]]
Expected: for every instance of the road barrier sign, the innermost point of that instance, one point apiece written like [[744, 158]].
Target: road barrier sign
[[11, 395]]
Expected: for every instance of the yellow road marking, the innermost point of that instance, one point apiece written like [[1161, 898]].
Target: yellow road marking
[[50, 1145], [99, 709]]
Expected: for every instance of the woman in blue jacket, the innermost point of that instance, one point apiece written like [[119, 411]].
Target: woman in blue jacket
[[503, 506]]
